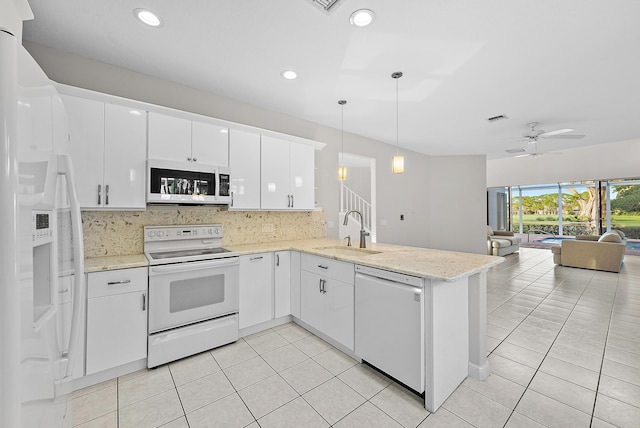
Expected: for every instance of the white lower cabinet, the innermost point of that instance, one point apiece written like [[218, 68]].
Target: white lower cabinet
[[116, 318], [282, 284], [256, 289], [295, 284], [327, 297]]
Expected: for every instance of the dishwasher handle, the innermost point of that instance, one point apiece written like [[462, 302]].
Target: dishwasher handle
[[384, 281]]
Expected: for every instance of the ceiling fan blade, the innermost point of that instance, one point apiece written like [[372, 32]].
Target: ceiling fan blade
[[564, 137]]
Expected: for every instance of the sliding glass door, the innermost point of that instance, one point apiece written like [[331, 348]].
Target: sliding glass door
[[568, 209]]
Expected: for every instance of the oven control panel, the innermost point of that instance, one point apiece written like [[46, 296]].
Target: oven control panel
[[170, 233]]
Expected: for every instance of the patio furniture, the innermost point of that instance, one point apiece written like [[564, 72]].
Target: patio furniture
[[604, 253], [501, 242]]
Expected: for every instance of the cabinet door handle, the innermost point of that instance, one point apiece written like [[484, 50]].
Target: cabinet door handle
[[189, 159], [144, 302], [277, 259], [99, 194], [256, 258], [292, 201], [64, 290], [195, 159], [324, 286], [323, 267], [288, 201], [320, 286], [106, 194], [124, 281], [231, 198]]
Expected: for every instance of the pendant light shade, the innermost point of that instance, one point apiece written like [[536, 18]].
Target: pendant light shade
[[342, 170], [342, 173], [397, 162]]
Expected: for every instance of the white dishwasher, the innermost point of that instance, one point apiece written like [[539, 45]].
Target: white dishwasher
[[389, 324]]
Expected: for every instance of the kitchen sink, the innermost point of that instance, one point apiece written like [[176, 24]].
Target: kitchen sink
[[347, 251]]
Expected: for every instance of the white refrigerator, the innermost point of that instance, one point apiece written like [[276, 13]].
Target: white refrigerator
[[41, 252]]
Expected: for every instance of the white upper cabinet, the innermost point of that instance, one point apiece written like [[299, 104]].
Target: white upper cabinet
[[287, 175], [125, 136], [169, 138], [275, 174], [210, 143], [302, 176], [183, 140], [107, 143], [244, 162]]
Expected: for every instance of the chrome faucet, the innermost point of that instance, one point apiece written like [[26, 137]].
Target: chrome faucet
[[363, 233]]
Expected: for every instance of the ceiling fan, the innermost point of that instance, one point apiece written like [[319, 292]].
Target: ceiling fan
[[532, 135]]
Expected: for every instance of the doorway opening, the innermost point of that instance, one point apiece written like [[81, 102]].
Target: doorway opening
[[358, 192]]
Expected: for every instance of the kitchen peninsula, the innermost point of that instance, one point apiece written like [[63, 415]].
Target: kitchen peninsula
[[454, 303]]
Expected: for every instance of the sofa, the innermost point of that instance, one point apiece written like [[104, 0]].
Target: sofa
[[501, 242], [604, 252]]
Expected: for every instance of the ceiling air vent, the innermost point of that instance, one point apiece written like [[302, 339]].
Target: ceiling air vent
[[327, 6], [497, 118], [517, 150]]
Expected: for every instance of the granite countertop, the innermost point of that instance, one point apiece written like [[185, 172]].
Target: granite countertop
[[98, 264], [422, 262]]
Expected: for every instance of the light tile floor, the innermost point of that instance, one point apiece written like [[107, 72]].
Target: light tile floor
[[564, 352]]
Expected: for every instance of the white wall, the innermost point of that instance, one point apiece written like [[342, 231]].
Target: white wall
[[457, 187], [604, 161], [424, 196]]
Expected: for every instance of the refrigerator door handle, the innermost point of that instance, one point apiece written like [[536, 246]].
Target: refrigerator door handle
[[65, 167]]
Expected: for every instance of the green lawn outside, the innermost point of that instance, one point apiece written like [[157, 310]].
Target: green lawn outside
[[618, 220], [534, 223]]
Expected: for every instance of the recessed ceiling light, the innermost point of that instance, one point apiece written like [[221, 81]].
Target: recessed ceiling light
[[289, 74], [224, 131], [148, 17], [135, 112], [362, 17]]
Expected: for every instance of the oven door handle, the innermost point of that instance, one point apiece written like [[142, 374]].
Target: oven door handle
[[191, 266]]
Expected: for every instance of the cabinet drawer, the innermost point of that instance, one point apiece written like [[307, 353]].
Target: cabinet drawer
[[342, 271], [119, 281]]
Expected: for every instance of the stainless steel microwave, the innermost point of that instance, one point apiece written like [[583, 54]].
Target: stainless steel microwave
[[187, 183]]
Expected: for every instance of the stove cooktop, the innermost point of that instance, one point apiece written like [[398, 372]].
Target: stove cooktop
[[176, 254]]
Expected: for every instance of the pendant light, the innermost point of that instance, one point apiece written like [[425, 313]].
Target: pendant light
[[342, 170], [397, 162]]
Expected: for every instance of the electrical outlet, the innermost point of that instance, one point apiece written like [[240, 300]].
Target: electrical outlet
[[267, 227], [401, 217]]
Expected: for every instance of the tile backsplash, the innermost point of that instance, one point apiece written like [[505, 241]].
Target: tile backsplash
[[118, 233]]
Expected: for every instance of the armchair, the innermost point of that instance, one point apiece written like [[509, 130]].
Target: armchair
[[501, 242]]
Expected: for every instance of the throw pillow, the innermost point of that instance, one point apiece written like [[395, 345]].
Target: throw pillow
[[619, 232], [610, 237]]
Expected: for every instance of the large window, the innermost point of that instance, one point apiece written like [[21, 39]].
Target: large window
[[624, 207], [575, 208]]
